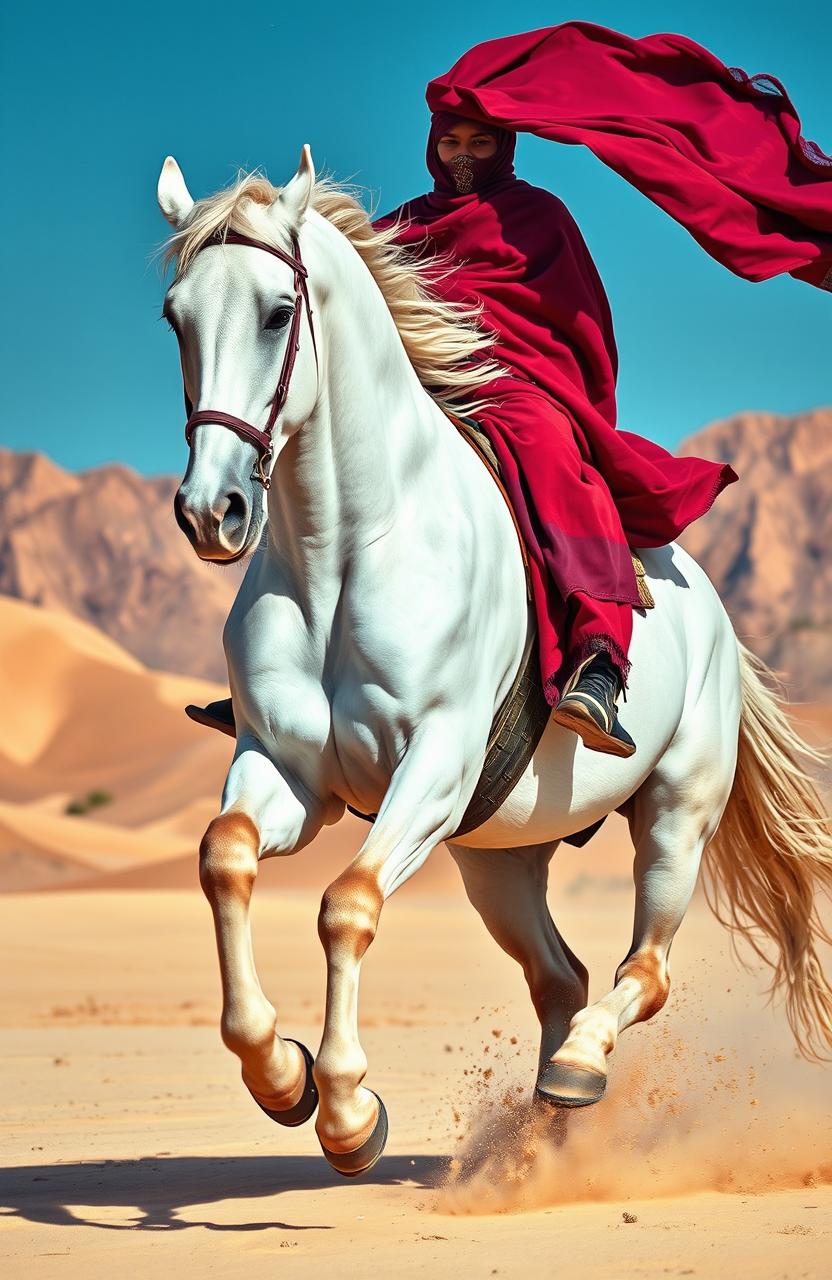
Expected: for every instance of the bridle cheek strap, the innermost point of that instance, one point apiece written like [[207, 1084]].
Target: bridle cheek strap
[[262, 440]]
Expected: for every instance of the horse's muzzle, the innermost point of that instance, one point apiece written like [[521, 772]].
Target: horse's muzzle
[[220, 530]]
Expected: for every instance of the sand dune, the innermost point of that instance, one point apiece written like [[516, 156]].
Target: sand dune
[[82, 715], [80, 712]]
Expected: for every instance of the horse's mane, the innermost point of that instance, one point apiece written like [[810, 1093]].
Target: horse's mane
[[440, 338]]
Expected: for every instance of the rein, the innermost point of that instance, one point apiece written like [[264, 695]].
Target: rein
[[262, 440]]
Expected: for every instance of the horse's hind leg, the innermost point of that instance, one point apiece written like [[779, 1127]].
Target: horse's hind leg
[[508, 889], [671, 818], [670, 825]]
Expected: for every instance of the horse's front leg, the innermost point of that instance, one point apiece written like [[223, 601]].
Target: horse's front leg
[[260, 814], [418, 811]]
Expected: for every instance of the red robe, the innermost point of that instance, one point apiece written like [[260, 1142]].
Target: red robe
[[724, 158]]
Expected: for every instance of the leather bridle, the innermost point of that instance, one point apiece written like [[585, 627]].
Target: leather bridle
[[262, 440]]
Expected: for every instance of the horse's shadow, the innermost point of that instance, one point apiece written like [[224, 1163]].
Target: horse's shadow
[[158, 1188]]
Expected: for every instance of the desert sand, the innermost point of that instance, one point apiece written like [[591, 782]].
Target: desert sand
[[124, 1113], [130, 1143]]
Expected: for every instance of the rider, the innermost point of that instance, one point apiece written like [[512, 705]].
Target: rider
[[723, 154], [518, 253]]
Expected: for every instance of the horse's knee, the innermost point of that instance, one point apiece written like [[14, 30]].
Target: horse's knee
[[349, 912], [228, 857], [649, 969]]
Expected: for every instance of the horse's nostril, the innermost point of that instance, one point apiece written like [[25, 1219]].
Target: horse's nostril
[[235, 518], [183, 517]]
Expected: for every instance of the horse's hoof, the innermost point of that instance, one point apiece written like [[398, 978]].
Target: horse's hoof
[[560, 1085], [351, 1163], [304, 1108]]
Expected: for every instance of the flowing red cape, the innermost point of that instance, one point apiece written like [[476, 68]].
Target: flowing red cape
[[709, 145], [721, 151]]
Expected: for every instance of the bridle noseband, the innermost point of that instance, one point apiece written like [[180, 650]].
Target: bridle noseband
[[262, 440]]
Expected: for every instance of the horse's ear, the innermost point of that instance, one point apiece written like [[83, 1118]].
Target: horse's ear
[[175, 200], [294, 197]]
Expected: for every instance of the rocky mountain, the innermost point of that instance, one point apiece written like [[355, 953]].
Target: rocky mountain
[[767, 542], [103, 545]]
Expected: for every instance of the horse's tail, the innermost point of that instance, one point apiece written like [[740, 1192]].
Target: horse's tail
[[771, 854]]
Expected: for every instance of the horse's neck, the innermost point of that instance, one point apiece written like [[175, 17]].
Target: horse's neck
[[338, 483]]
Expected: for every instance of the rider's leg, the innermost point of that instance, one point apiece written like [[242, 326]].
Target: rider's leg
[[599, 634], [599, 626]]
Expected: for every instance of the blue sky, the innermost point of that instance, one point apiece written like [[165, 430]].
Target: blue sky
[[94, 96]]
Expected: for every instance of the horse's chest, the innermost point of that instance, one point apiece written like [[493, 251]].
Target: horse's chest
[[366, 747]]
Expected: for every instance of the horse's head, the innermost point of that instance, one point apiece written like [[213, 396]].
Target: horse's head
[[233, 309]]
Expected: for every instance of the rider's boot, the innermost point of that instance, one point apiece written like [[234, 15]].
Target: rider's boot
[[216, 715], [588, 707]]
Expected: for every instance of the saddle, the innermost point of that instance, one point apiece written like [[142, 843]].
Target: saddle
[[524, 712]]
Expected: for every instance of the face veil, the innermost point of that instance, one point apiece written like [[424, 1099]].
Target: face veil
[[466, 174]]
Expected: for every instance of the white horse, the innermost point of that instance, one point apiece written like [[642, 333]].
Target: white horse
[[378, 628]]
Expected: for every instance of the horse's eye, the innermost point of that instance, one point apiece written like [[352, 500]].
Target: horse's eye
[[279, 318]]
